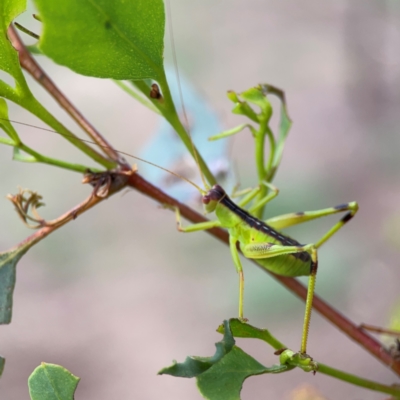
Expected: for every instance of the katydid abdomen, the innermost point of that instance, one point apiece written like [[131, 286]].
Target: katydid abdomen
[[264, 243], [263, 237], [256, 237], [287, 265]]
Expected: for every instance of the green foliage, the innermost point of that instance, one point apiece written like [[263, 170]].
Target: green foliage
[[24, 153], [224, 381], [243, 105], [194, 366], [128, 37], [21, 94], [8, 263], [221, 376], [10, 9], [2, 362], [52, 382]]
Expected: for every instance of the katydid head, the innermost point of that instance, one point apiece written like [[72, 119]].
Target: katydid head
[[212, 198]]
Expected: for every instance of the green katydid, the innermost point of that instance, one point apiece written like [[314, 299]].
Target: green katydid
[[262, 240]]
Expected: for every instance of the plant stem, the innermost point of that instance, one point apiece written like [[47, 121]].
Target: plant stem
[[33, 68], [356, 380], [260, 164], [52, 161], [167, 109]]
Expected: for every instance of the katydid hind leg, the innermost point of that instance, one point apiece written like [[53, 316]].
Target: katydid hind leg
[[239, 269], [309, 301], [287, 220], [269, 250]]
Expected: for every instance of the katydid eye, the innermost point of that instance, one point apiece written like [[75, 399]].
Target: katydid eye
[[206, 199]]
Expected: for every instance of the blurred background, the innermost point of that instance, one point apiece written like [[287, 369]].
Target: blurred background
[[119, 293]]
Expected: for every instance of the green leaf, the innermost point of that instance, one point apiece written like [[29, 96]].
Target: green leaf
[[221, 377], [107, 39], [242, 108], [255, 96], [8, 263], [9, 63], [34, 49], [231, 132], [244, 330], [52, 382], [194, 366], [224, 380], [2, 362]]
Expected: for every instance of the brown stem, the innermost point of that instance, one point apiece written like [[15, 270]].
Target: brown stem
[[34, 69], [334, 316], [116, 185], [62, 220], [379, 329]]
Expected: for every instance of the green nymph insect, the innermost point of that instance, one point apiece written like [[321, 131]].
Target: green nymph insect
[[263, 241]]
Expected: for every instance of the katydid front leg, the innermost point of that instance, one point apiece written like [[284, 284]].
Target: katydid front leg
[[201, 226]]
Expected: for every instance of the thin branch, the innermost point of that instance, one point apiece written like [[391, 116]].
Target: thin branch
[[34, 69], [379, 329], [334, 316], [91, 201]]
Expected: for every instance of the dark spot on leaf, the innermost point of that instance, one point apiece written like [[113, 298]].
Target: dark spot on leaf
[[107, 24], [300, 213]]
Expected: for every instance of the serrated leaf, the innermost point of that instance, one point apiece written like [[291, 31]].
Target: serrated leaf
[[127, 36], [244, 330], [52, 382], [224, 380], [221, 377], [194, 366]]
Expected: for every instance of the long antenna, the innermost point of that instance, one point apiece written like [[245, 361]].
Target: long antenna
[[175, 61], [118, 151]]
